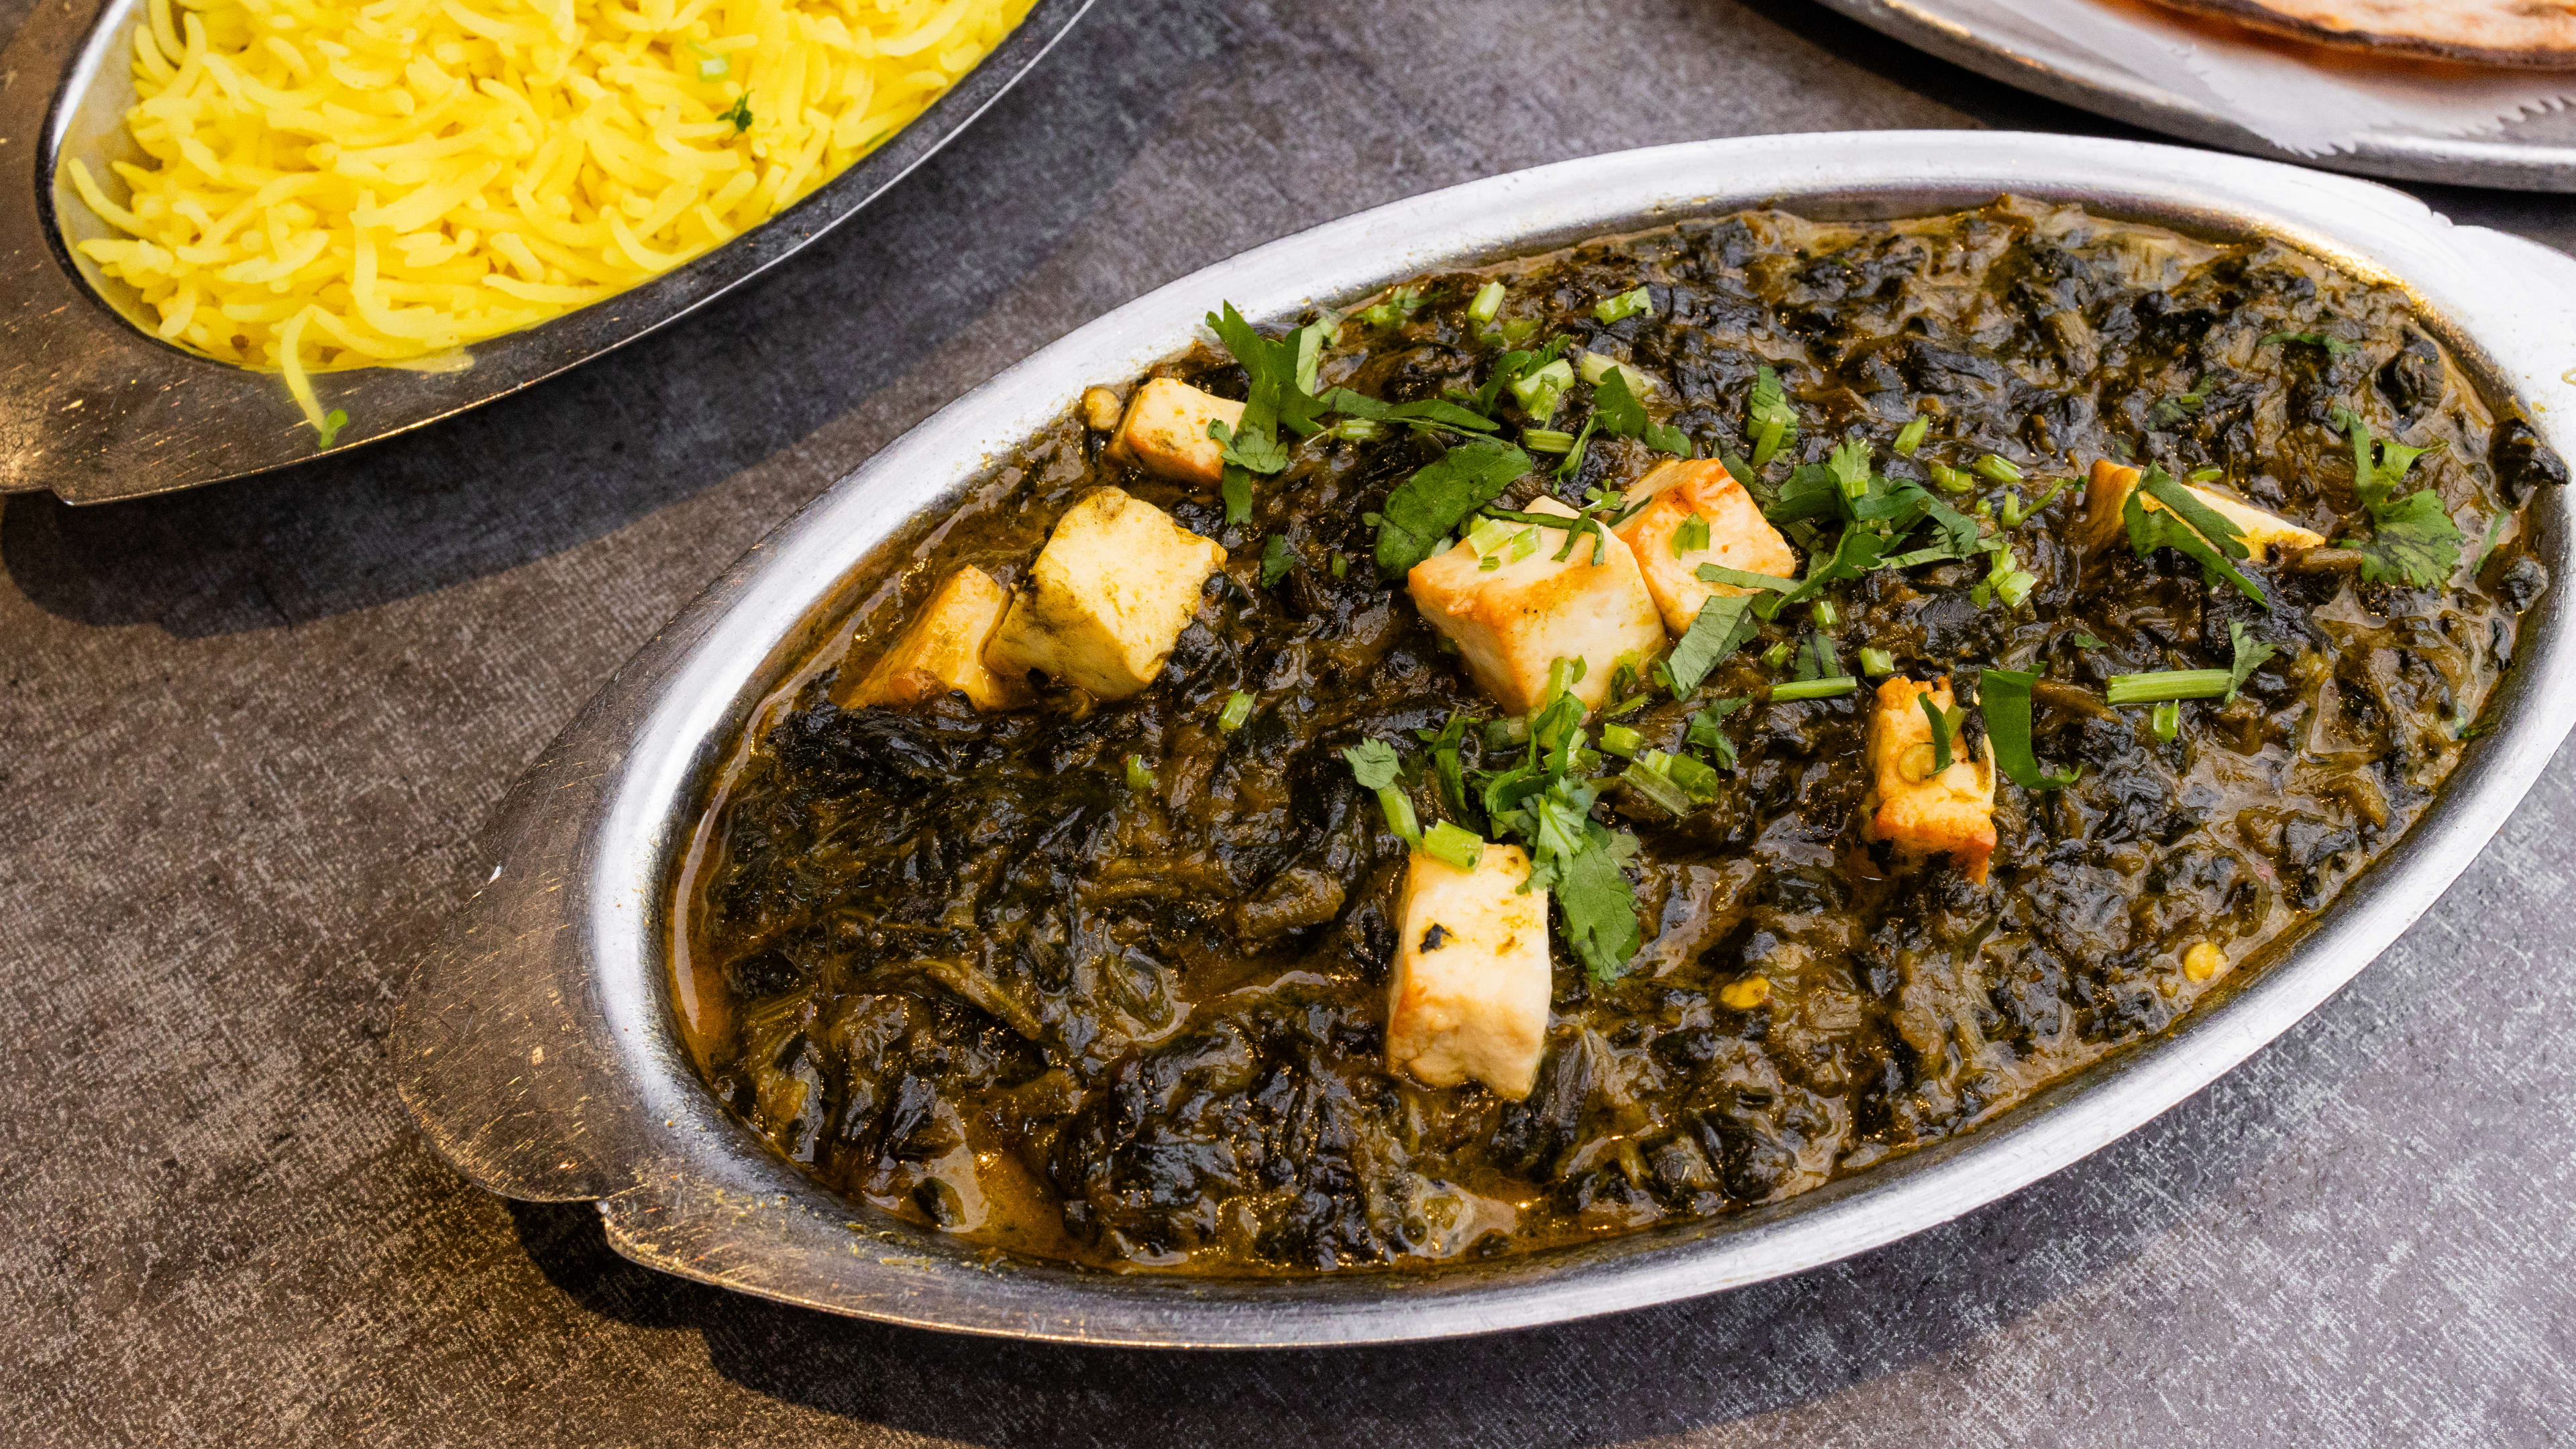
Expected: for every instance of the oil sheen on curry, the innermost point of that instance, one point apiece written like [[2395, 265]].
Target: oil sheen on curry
[[1605, 740]]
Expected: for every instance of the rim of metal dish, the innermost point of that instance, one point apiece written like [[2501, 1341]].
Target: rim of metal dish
[[538, 1049], [94, 406], [2078, 77]]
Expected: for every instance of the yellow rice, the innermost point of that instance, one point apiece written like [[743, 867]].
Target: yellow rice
[[337, 184]]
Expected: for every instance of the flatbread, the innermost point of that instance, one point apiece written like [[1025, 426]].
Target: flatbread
[[2532, 34]]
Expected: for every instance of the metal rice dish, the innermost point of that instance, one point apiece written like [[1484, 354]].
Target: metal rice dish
[[539, 1049], [2071, 73], [94, 407]]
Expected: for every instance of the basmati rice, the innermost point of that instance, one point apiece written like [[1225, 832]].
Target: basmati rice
[[340, 184]]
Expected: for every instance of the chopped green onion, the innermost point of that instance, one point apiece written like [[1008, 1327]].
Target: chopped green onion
[[1626, 304], [1876, 663], [1999, 468], [1594, 367], [2205, 475], [1770, 421], [1912, 437], [715, 67], [1488, 304], [1539, 391], [1620, 740], [1459, 847], [338, 418], [2009, 513], [1699, 779], [1546, 440], [1238, 708], [1777, 655], [1690, 536], [2168, 720], [1341, 564], [1647, 777], [1825, 614], [2167, 684], [1840, 684], [1398, 809], [1399, 305], [1359, 430], [1626, 706], [1140, 776], [1517, 330], [1949, 479]]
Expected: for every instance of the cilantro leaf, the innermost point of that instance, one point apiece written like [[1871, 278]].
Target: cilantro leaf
[[2414, 542], [1374, 763], [1598, 905], [2413, 539], [1276, 560], [1616, 408], [2250, 653], [1277, 369], [1724, 624], [1856, 553], [1706, 732], [1425, 507], [2003, 696]]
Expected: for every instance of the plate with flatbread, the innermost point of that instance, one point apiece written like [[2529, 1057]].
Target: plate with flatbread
[[2465, 92], [2525, 34]]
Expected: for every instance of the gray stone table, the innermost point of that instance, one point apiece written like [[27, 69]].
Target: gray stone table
[[247, 732]]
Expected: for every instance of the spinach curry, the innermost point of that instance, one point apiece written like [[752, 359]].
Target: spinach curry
[[1102, 971]]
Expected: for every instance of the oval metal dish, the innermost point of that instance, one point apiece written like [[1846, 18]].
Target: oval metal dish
[[94, 408], [539, 1050]]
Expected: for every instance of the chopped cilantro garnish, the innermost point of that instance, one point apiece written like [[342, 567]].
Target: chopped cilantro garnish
[[2003, 696], [1425, 507], [740, 115], [1616, 408], [1724, 624], [1690, 536], [1770, 421], [1707, 733], [1276, 560], [2412, 538], [1945, 725], [2249, 652], [328, 431], [2190, 527], [1739, 578]]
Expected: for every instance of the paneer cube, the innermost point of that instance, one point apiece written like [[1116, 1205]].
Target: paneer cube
[[942, 651], [1923, 811], [1109, 594], [2106, 499], [1472, 977], [1739, 537], [1166, 431], [1514, 619]]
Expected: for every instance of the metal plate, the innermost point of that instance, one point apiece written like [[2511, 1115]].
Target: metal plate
[[94, 408], [539, 1050], [2079, 77]]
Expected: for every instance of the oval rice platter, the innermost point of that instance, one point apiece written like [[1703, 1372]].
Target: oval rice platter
[[142, 346]]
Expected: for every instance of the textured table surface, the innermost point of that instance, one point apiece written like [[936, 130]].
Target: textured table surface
[[247, 733]]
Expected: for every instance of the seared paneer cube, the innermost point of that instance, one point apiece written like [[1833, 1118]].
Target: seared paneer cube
[[1472, 978], [1913, 803], [1513, 609], [1699, 515], [1108, 596], [1166, 431], [942, 651], [2106, 500]]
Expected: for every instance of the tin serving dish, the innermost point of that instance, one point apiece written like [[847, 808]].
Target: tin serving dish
[[94, 407], [539, 1047]]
